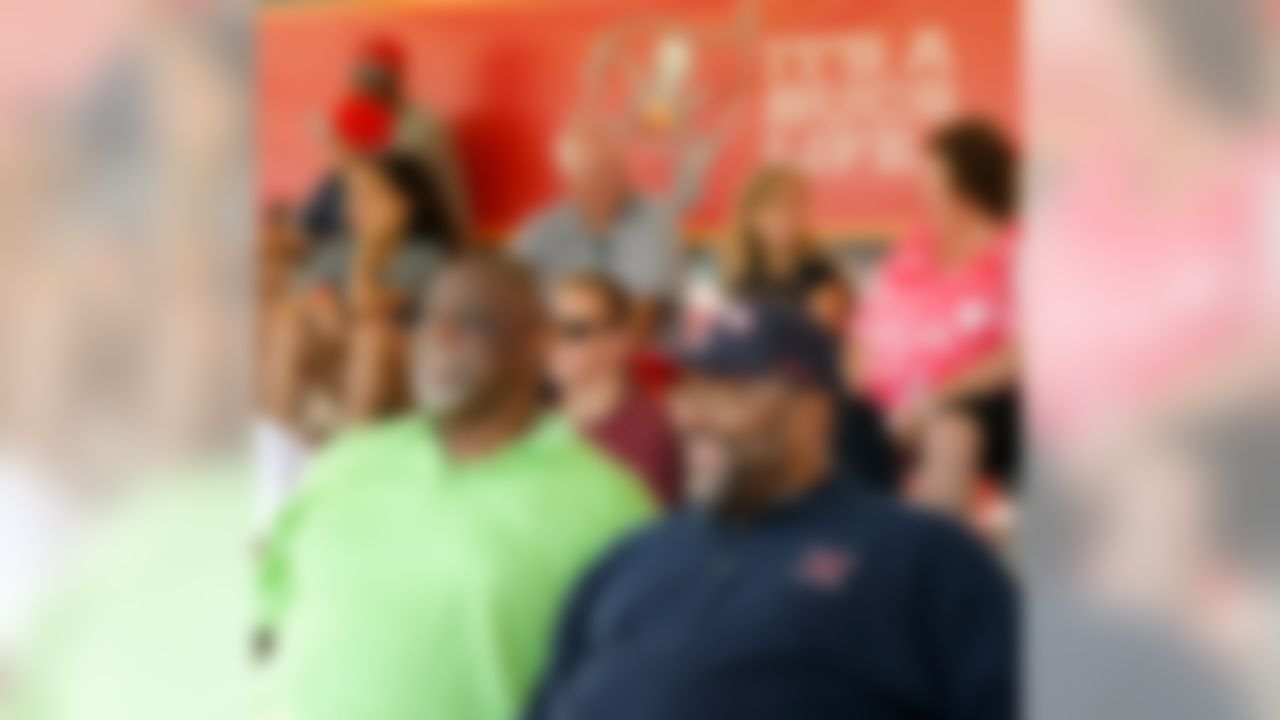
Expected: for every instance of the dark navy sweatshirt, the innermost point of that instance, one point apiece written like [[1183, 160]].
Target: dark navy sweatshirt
[[840, 605]]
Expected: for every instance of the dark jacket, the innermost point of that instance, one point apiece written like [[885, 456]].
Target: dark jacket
[[841, 605]]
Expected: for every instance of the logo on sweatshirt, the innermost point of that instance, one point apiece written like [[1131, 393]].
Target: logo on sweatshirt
[[825, 568]]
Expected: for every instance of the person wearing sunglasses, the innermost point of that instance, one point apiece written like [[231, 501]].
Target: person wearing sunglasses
[[589, 365]]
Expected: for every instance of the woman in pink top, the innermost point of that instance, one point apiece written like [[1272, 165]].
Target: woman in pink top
[[934, 340]]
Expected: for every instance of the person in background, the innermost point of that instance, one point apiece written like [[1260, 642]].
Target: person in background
[[279, 253], [380, 73], [335, 345], [279, 454], [604, 225], [772, 257], [771, 254], [299, 341], [935, 335], [419, 571], [379, 115], [781, 592], [589, 364], [358, 127], [351, 298]]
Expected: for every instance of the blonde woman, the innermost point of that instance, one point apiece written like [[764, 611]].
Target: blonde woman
[[771, 254]]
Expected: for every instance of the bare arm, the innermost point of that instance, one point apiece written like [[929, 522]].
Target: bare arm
[[995, 371], [370, 296]]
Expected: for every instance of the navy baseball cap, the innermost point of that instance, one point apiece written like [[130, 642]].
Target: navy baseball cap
[[764, 339]]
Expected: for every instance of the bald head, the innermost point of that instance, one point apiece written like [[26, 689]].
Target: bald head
[[591, 161], [480, 341]]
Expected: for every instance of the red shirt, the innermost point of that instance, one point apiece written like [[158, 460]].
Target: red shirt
[[639, 435]]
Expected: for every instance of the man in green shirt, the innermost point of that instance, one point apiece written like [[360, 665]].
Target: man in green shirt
[[419, 572]]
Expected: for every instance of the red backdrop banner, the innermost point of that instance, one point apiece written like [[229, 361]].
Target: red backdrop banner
[[842, 88]]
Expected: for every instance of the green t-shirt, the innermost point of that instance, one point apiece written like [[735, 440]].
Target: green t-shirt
[[402, 585], [153, 620]]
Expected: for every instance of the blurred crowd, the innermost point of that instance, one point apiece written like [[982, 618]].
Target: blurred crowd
[[815, 478], [929, 383], [602, 468]]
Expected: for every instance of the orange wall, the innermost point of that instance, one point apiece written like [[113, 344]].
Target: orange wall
[[504, 72]]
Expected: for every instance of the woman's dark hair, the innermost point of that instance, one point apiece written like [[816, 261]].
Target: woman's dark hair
[[429, 219], [980, 163]]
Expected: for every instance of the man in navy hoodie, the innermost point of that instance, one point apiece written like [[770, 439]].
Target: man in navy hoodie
[[782, 592]]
